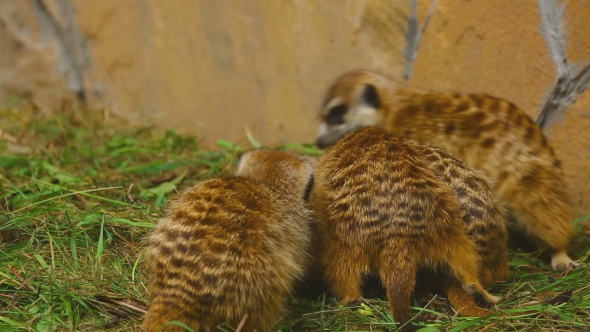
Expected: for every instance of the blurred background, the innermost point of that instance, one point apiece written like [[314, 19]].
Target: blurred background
[[213, 68]]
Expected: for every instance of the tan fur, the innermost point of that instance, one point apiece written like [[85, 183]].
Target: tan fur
[[484, 217], [480, 210], [382, 210], [487, 133], [486, 225], [231, 247]]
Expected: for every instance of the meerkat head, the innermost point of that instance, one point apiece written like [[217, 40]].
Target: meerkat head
[[286, 170], [353, 100]]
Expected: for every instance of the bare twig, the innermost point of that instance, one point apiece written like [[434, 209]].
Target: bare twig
[[242, 322]]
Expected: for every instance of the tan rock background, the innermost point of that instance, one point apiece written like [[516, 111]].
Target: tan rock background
[[214, 68]]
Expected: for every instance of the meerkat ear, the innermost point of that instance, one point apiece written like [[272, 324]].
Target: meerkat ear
[[370, 96], [243, 160]]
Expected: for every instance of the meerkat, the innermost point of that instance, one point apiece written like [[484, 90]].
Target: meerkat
[[486, 225], [231, 249], [484, 216], [488, 133], [381, 210]]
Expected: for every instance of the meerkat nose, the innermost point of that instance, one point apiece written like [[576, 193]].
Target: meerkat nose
[[321, 143]]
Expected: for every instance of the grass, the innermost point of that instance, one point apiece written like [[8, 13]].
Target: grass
[[78, 194]]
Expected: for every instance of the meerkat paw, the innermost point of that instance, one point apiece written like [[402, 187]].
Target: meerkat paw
[[561, 261], [357, 302], [472, 288], [494, 299], [351, 300], [489, 298]]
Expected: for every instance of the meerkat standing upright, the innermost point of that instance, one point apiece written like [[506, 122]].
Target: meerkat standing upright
[[487, 133], [232, 249], [382, 210]]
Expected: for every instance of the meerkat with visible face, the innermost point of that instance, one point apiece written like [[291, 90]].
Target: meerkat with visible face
[[487, 133], [230, 249], [381, 210], [484, 216]]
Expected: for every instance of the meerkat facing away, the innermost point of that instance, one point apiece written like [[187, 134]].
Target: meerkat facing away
[[484, 217], [381, 210], [487, 133], [230, 247], [486, 225]]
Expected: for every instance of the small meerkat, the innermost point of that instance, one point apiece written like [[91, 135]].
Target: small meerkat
[[381, 210], [488, 133], [232, 249], [484, 217]]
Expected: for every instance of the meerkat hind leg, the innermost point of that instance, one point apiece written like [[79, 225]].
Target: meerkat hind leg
[[463, 266], [345, 277]]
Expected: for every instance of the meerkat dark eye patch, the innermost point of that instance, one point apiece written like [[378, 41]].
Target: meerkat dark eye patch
[[336, 115], [371, 97], [308, 189]]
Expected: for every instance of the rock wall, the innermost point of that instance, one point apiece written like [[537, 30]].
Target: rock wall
[[215, 68]]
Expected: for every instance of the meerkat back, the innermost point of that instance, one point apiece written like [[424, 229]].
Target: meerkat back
[[484, 217], [481, 211], [381, 210], [230, 250], [487, 133]]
